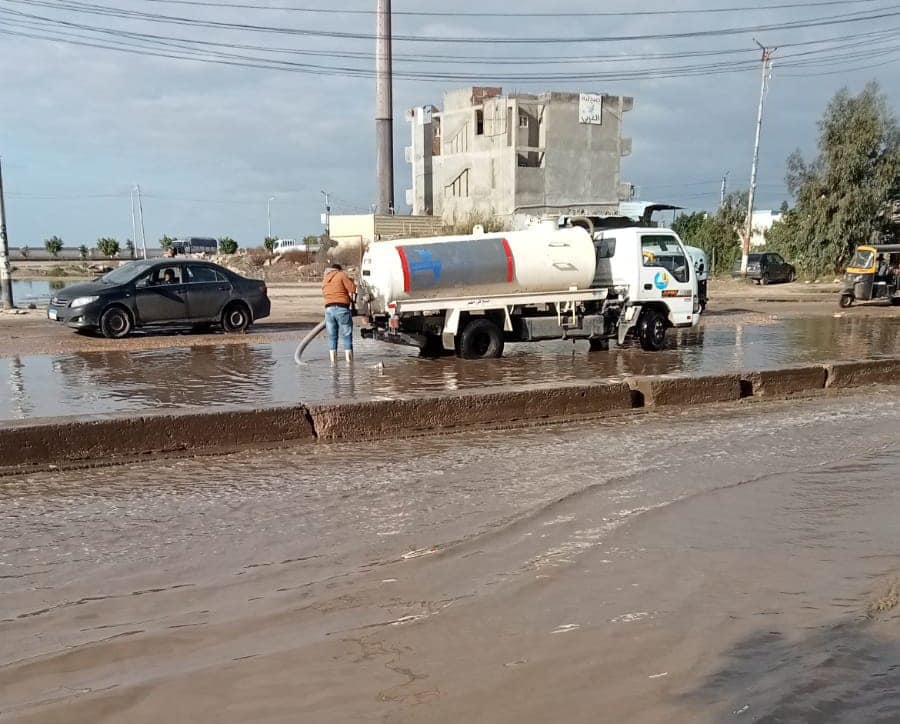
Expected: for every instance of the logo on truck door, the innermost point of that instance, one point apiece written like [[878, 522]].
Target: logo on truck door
[[661, 280]]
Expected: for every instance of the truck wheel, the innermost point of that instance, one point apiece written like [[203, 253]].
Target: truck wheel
[[845, 301], [481, 339], [652, 331]]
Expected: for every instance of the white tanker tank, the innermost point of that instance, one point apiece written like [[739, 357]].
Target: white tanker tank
[[540, 259]]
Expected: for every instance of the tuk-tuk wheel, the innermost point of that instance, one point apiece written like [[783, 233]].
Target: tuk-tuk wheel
[[845, 301]]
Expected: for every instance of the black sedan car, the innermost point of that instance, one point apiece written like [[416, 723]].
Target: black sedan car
[[156, 292], [766, 267]]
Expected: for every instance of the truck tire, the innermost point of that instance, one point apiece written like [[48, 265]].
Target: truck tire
[[652, 331], [480, 339]]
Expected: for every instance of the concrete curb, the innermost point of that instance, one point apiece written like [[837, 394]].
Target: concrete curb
[[68, 439], [386, 418], [107, 438], [866, 372], [787, 381]]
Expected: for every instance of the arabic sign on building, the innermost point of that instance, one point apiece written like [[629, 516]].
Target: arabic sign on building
[[590, 108]]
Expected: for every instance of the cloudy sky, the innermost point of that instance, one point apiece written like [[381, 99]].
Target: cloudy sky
[[209, 142]]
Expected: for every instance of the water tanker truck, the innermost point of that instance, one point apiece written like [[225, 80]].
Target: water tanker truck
[[472, 294]]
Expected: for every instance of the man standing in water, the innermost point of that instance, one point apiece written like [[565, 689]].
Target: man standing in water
[[338, 291]]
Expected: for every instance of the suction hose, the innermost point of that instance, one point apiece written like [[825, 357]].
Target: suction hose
[[314, 332]]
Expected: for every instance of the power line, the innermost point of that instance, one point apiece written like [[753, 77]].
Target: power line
[[821, 21]]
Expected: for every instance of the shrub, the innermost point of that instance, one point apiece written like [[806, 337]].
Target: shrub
[[166, 242], [129, 248], [25, 251], [490, 223], [269, 243], [256, 258], [227, 245], [299, 257], [83, 252], [108, 247], [53, 245]]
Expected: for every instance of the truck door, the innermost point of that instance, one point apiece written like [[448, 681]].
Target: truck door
[[667, 276]]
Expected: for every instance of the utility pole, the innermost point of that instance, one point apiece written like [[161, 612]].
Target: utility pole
[[269, 216], [327, 216], [724, 189], [384, 110], [748, 232], [141, 214], [133, 225], [6, 294]]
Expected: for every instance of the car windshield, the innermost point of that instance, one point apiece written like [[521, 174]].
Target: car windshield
[[125, 273], [862, 259]]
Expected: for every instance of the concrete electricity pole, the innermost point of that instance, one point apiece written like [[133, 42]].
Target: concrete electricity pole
[[748, 232], [269, 216], [133, 225], [384, 111], [6, 295], [327, 216], [141, 214]]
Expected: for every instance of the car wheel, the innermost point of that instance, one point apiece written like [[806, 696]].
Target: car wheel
[[481, 339], [652, 331], [115, 323], [235, 318], [845, 301], [764, 279]]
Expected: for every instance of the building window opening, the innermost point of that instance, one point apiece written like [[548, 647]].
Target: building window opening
[[523, 120], [479, 123]]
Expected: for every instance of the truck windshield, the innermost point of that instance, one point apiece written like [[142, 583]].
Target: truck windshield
[[862, 259], [664, 251]]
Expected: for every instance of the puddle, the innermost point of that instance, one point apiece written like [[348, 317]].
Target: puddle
[[38, 291], [226, 375]]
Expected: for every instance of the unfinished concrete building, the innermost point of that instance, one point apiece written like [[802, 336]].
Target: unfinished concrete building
[[517, 155]]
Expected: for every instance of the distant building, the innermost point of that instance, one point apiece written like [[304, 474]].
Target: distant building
[[485, 153], [762, 222], [352, 231]]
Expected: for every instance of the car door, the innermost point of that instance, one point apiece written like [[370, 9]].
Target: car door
[[159, 295], [207, 291], [784, 273]]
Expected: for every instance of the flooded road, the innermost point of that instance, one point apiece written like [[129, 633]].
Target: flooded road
[[711, 566], [91, 382]]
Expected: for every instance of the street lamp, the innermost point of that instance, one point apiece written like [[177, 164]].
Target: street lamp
[[269, 216]]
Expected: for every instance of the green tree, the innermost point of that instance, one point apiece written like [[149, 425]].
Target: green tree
[[83, 252], [269, 243], [129, 248], [108, 247], [53, 245], [166, 242], [843, 193], [227, 245]]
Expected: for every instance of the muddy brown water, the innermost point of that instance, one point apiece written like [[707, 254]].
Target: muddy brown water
[[95, 382], [712, 566]]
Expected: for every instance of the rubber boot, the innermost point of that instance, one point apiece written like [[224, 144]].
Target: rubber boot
[[332, 353], [348, 355]]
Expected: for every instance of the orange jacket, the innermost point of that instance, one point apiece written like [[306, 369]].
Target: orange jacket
[[337, 288]]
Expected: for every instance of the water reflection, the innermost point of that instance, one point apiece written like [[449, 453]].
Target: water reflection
[[238, 374]]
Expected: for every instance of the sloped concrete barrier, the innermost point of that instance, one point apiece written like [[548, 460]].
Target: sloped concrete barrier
[[685, 390], [101, 437], [384, 418], [868, 372], [786, 381]]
